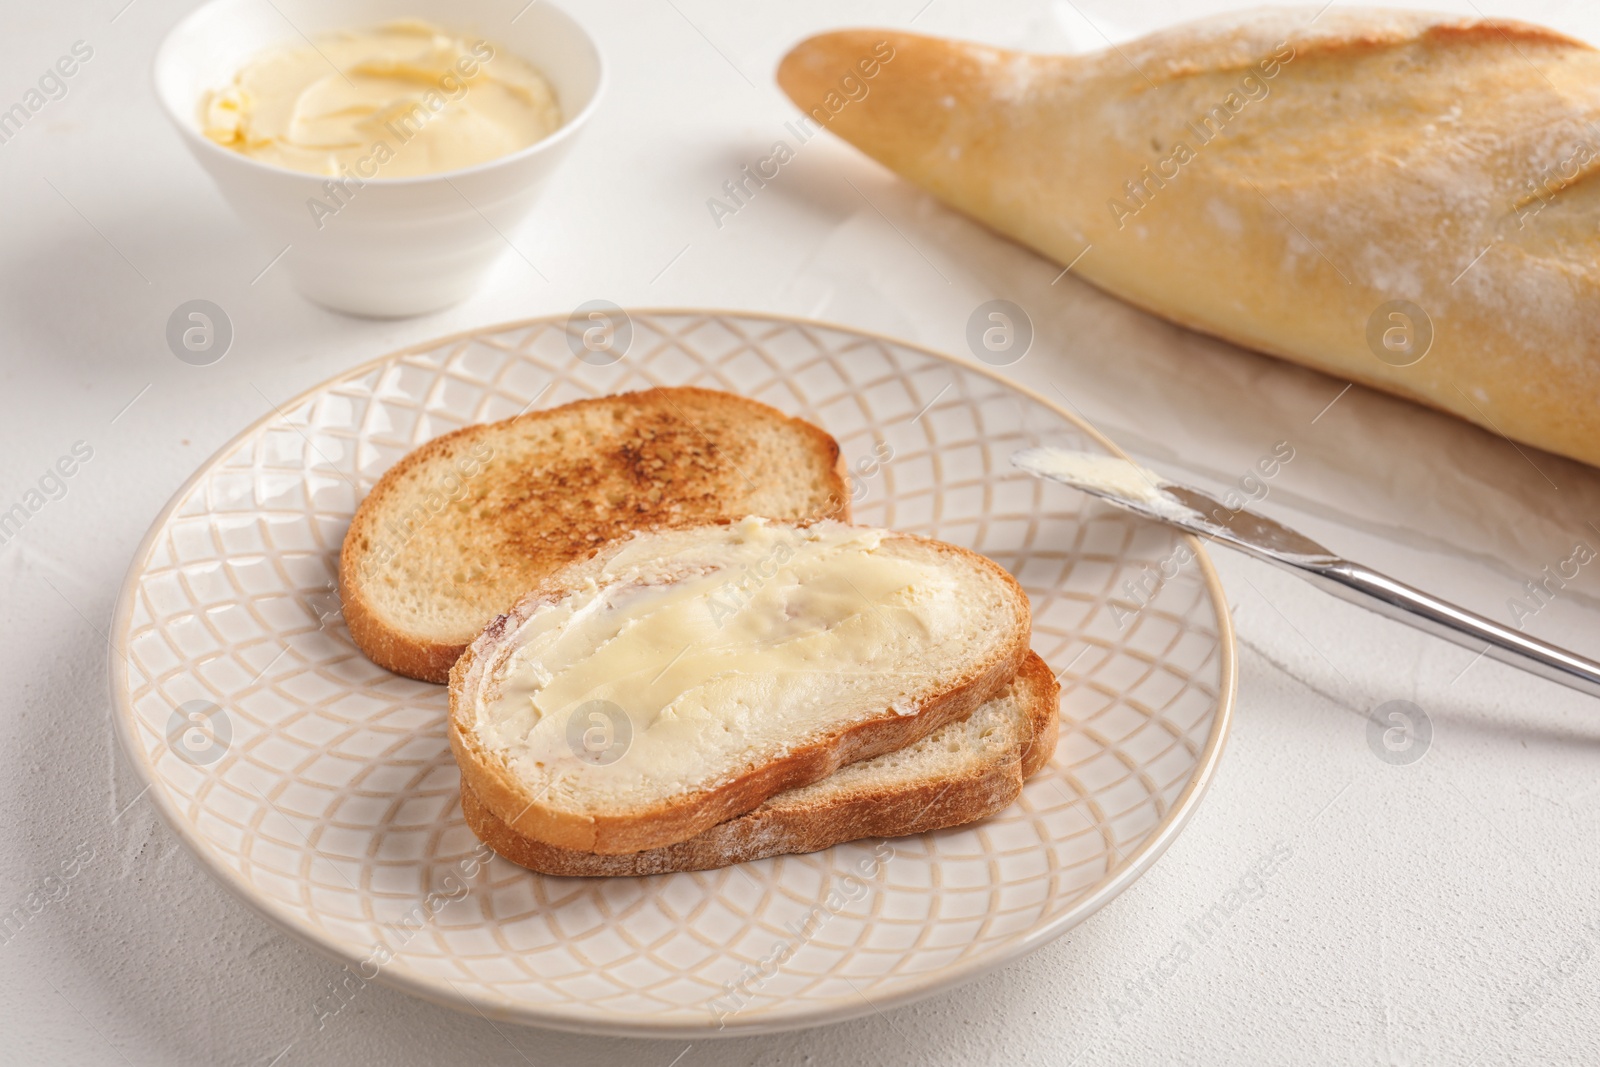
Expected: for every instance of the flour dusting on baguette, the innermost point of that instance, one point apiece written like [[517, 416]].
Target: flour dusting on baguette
[[1283, 177]]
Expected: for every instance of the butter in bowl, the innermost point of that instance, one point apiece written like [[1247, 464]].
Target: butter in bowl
[[384, 151]]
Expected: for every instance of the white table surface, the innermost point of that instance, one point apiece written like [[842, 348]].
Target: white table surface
[[1439, 912]]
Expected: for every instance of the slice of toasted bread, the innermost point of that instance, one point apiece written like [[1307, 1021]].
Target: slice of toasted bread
[[462, 526], [841, 643], [962, 772]]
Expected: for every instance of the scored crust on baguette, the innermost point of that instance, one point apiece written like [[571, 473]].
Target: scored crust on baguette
[[462, 526], [1288, 179], [680, 777], [962, 772]]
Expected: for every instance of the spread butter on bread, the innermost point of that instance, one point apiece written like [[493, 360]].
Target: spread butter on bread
[[721, 665], [962, 772]]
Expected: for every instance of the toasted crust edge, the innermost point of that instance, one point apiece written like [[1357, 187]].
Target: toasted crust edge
[[932, 805], [689, 814], [430, 661]]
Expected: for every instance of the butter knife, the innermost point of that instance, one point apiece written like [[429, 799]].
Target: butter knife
[[1143, 492]]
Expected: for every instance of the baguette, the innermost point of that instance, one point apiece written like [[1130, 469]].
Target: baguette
[[461, 527], [1352, 191], [736, 661], [962, 772]]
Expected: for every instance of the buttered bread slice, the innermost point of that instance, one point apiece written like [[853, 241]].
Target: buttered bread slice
[[456, 531], [962, 772], [680, 678]]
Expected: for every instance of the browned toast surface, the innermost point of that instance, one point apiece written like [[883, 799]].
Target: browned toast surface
[[465, 524]]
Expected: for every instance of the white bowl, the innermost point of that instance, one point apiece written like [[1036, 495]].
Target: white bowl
[[397, 246]]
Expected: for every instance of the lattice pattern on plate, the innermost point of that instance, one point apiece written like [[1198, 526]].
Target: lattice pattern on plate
[[333, 806]]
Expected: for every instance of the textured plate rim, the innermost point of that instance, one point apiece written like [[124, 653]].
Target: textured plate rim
[[438, 991]]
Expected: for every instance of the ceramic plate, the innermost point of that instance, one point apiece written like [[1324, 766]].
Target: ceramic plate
[[321, 789]]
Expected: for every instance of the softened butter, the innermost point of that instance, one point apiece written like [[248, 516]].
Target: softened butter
[[399, 100]]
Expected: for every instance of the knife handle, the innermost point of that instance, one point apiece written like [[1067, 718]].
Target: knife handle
[[1381, 594]]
